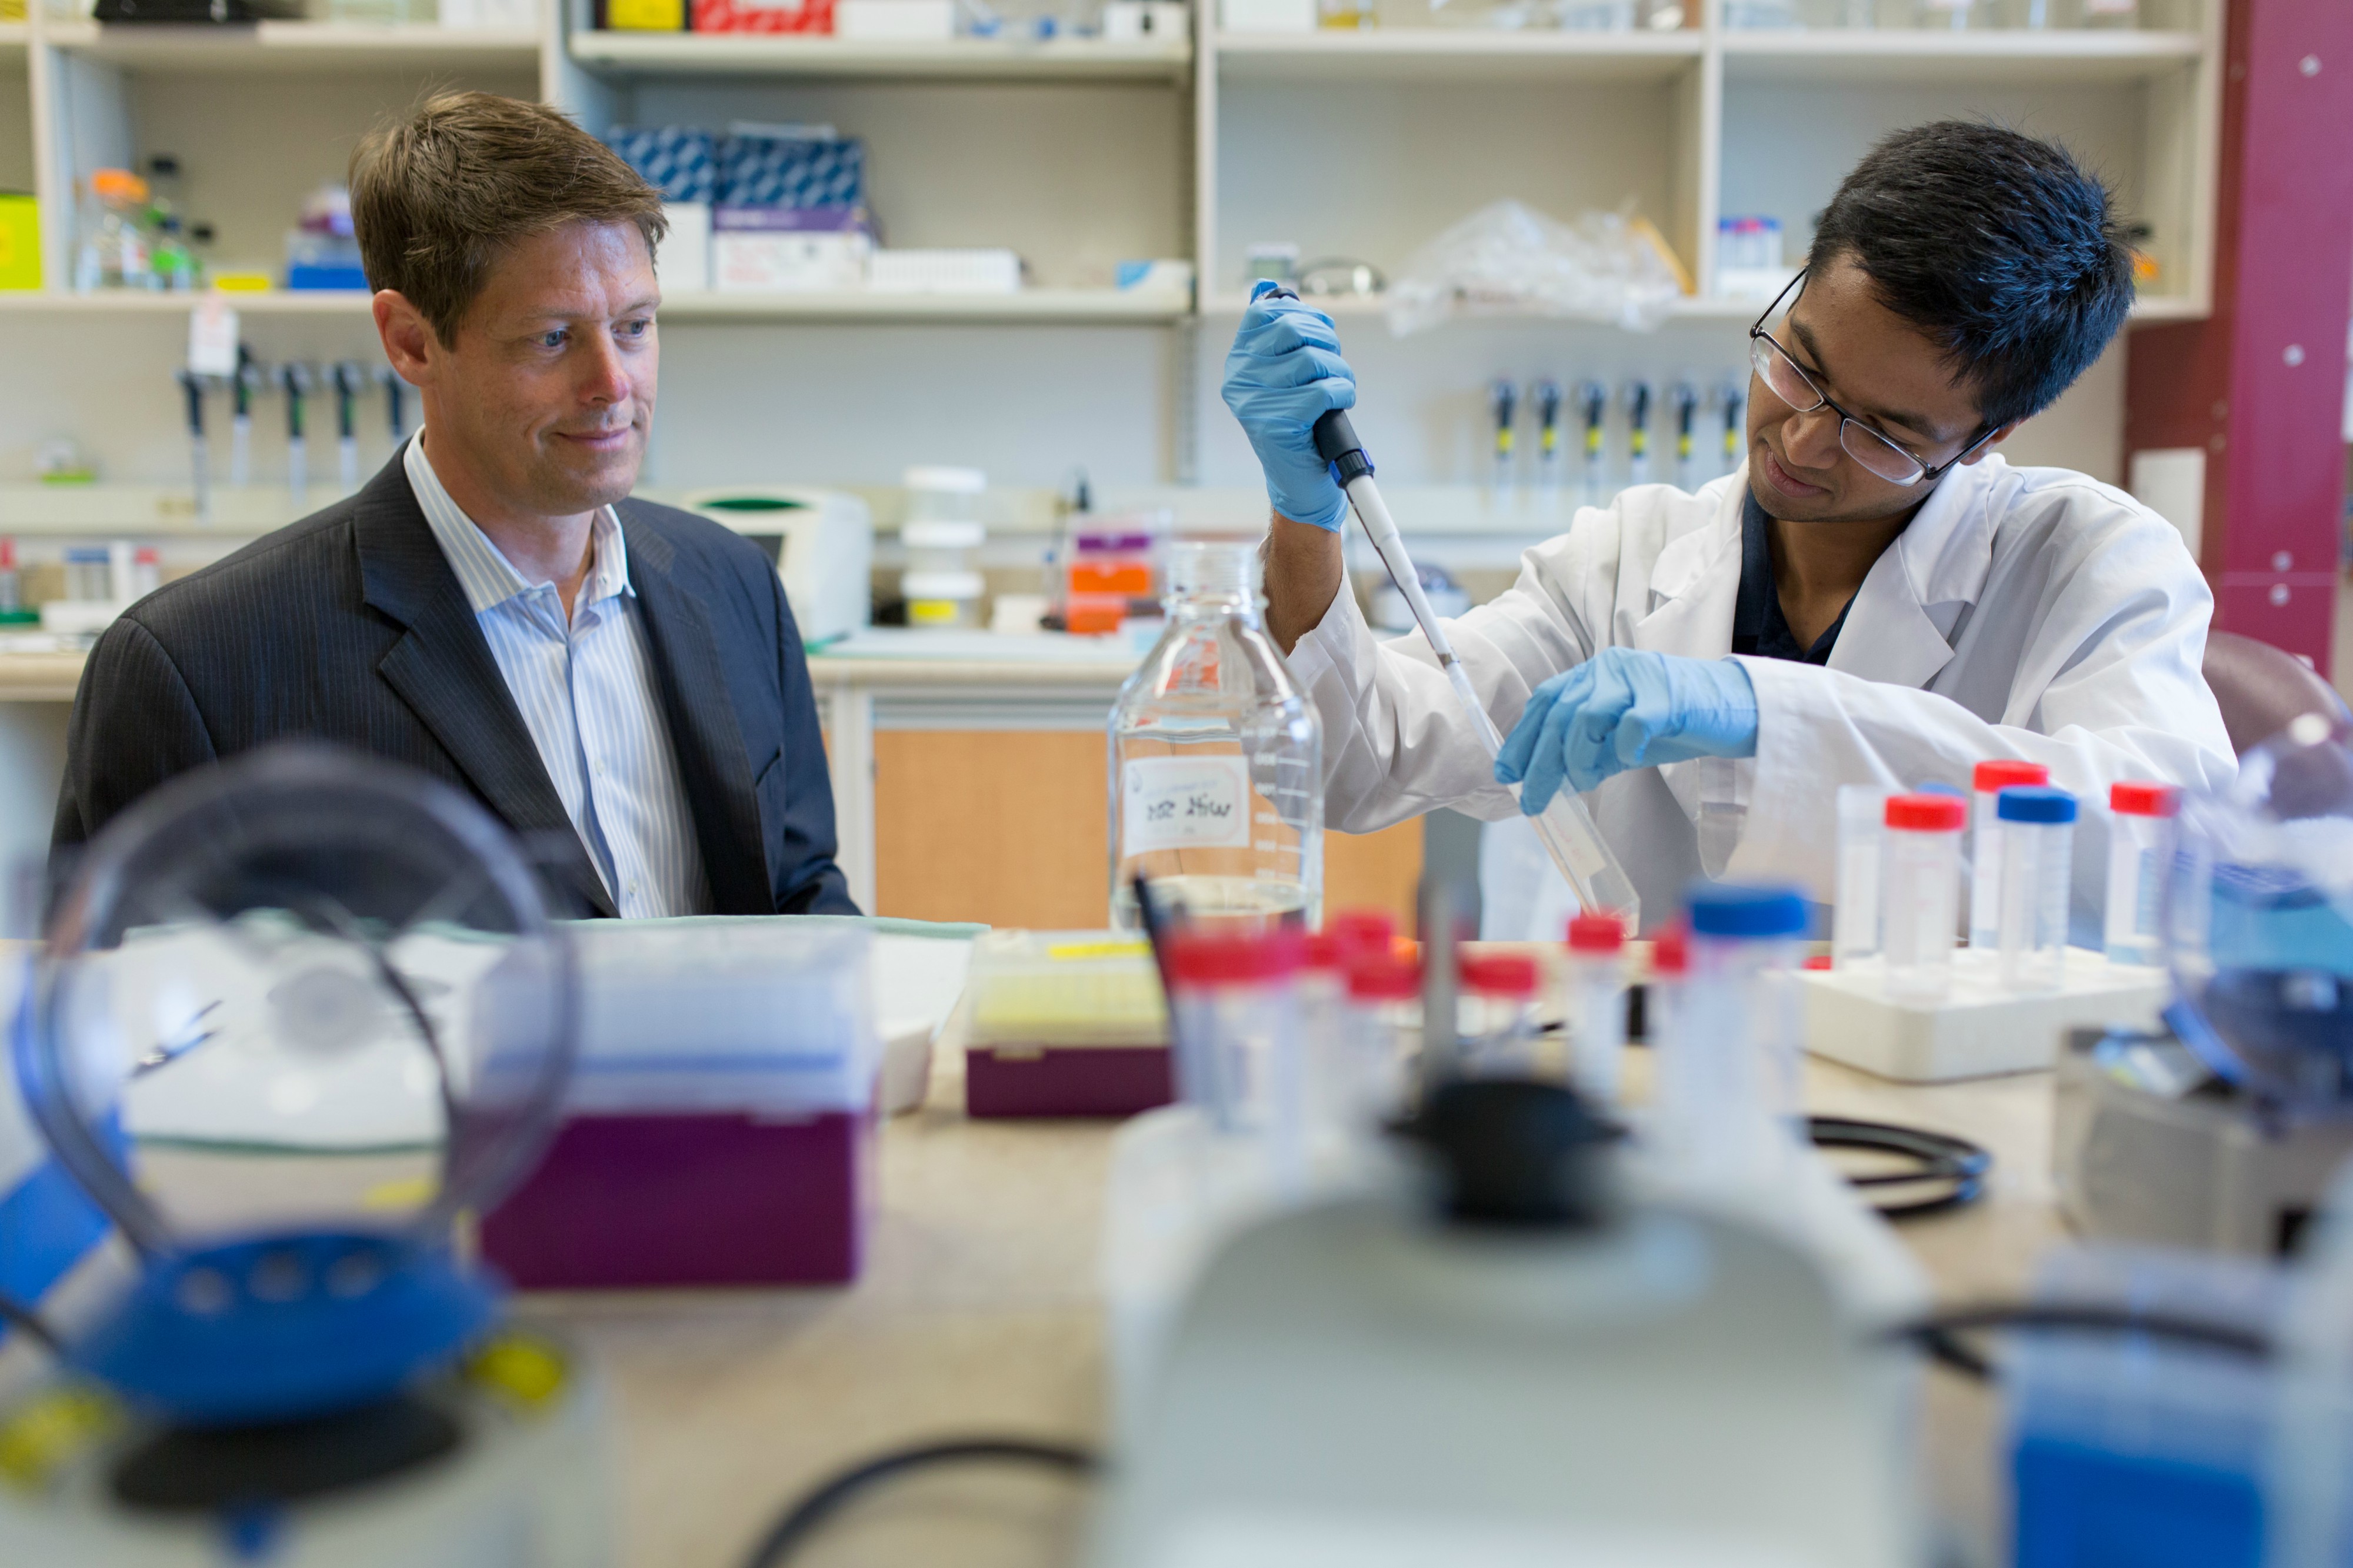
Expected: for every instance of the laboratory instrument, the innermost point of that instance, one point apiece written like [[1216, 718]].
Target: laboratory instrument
[[1216, 775], [294, 379], [1726, 1089], [200, 463], [1923, 901], [349, 378], [1861, 834], [1546, 396], [1502, 402], [249, 379], [1593, 413], [1637, 396], [1596, 1010], [396, 404], [1064, 1023], [825, 550], [942, 535], [1684, 398], [2037, 844], [293, 1016], [1733, 397], [1566, 828], [1985, 784], [2140, 855]]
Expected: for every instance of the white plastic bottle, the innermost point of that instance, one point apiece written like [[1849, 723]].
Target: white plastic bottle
[[1985, 844], [2038, 843], [1728, 1062], [2140, 854], [1862, 832], [1596, 1010], [1235, 1029], [1499, 1007], [1217, 777], [1923, 895]]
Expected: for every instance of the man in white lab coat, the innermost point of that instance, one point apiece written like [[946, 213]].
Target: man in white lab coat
[[1880, 599]]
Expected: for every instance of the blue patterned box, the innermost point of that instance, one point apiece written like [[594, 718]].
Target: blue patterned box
[[678, 161], [791, 171]]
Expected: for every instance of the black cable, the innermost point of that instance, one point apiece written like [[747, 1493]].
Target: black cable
[[1938, 1156], [1937, 1332], [31, 1324], [804, 1517]]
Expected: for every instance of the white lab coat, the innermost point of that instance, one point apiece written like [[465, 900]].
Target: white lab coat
[[2025, 613]]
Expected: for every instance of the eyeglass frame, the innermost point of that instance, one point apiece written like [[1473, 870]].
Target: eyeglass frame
[[1928, 473]]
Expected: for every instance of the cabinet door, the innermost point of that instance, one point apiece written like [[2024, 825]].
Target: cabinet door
[[1007, 827]]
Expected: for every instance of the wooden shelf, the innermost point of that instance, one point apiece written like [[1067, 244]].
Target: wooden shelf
[[1444, 54], [296, 46], [1867, 54], [998, 59]]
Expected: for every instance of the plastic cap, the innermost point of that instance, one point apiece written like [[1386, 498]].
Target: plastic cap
[[1369, 930], [1383, 979], [2145, 799], [2000, 775], [1500, 974], [1198, 958], [1671, 951], [1926, 812], [1732, 910], [118, 183], [1596, 933], [2035, 804], [1819, 961]]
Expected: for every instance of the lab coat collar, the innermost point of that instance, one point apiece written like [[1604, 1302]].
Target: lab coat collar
[[1695, 581], [1938, 563]]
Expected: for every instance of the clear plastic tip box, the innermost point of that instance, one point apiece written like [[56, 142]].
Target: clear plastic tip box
[[1064, 1023], [719, 1126]]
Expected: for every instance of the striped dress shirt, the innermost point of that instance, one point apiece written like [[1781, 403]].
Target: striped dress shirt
[[588, 694]]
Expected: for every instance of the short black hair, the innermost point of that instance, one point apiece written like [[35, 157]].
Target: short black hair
[[2002, 249]]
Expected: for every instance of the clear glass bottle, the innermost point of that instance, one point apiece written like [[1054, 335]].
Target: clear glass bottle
[[113, 250], [1217, 759]]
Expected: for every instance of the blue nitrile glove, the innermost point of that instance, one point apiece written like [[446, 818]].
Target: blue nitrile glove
[[1284, 374], [1625, 708]]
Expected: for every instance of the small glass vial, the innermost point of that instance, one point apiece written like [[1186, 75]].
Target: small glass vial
[[1499, 1007], [1924, 893], [87, 574], [1217, 777], [2140, 854], [1727, 1063], [1985, 844], [1235, 1029], [1854, 918], [2038, 843], [1596, 1014]]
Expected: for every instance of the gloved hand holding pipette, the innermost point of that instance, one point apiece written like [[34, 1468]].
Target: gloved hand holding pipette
[[1282, 375], [1626, 708]]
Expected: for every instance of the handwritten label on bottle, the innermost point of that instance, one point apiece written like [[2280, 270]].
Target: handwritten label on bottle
[[1184, 802]]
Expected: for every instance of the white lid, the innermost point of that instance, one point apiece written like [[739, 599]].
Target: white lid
[[954, 481], [942, 533], [942, 585]]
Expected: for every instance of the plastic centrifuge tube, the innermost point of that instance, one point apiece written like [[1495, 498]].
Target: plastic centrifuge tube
[[2140, 852], [1499, 999], [1861, 830], [1596, 1007], [1922, 851], [1727, 1065], [2037, 841], [1235, 1027], [1985, 844]]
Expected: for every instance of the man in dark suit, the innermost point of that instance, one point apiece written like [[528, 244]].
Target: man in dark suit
[[617, 679]]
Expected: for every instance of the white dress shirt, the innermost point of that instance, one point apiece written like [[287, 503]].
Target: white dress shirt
[[588, 697]]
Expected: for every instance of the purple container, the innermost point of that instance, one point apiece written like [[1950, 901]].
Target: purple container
[[624, 1202], [1092, 543], [1074, 1080]]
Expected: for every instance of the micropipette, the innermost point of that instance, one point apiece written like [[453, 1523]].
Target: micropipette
[[200, 460], [1548, 396], [1564, 827], [1502, 400], [1637, 432], [1593, 403], [394, 402], [296, 380], [247, 380], [1685, 401], [1735, 395], [348, 378]]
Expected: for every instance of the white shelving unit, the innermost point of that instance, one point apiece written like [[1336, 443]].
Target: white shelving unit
[[1080, 153]]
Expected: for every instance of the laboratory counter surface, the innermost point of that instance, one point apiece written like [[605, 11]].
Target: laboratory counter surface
[[979, 1314]]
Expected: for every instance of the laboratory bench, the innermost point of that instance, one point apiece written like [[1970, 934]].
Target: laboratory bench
[[978, 1314]]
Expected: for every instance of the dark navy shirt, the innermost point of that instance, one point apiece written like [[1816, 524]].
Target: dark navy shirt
[[1757, 626]]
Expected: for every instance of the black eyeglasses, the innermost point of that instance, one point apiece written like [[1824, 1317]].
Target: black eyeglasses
[[1874, 452]]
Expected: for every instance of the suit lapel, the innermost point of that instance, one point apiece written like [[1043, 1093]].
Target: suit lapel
[[443, 669], [712, 761]]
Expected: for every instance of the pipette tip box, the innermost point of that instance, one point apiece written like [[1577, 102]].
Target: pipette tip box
[[1979, 1030], [1064, 1024]]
